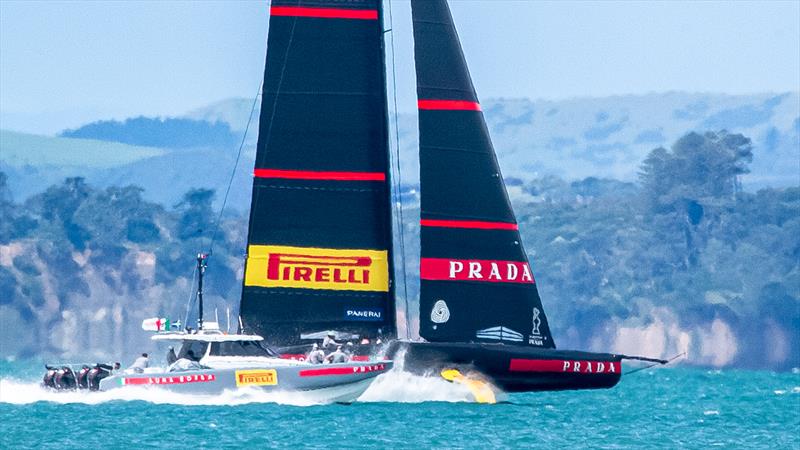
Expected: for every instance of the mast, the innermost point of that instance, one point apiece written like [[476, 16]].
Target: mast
[[319, 241], [201, 270], [476, 282]]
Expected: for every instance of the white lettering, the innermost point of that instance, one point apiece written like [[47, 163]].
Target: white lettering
[[455, 267], [577, 366], [526, 273], [601, 367], [512, 272], [611, 367], [566, 366], [495, 273], [474, 270], [588, 367]]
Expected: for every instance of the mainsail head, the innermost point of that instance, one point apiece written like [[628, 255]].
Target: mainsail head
[[319, 244], [476, 282]]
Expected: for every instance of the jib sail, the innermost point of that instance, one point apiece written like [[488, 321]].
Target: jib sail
[[319, 246], [476, 282]]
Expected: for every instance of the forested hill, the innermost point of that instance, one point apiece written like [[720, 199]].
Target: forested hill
[[572, 139], [680, 258]]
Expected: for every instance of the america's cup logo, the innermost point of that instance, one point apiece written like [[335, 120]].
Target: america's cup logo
[[536, 322]]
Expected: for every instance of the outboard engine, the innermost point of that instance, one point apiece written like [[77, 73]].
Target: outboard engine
[[65, 379], [49, 379], [83, 377], [97, 373]]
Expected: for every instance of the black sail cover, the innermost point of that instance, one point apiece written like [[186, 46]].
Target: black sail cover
[[476, 285], [319, 251]]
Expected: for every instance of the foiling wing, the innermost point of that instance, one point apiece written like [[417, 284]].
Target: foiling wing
[[476, 282], [319, 244]]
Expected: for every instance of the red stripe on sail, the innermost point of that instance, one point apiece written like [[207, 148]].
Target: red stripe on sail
[[453, 105], [477, 224], [481, 270], [324, 13], [565, 366], [311, 175]]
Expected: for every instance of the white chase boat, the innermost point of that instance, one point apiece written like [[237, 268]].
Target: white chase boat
[[210, 362]]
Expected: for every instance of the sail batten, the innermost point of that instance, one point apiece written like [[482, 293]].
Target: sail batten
[[319, 254], [473, 265]]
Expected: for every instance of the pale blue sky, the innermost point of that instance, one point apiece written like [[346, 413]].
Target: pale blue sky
[[68, 62]]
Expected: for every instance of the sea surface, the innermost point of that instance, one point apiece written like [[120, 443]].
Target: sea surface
[[656, 408]]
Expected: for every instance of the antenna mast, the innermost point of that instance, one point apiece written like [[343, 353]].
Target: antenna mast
[[201, 270]]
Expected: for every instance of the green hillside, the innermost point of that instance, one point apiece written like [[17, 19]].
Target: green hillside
[[20, 149]]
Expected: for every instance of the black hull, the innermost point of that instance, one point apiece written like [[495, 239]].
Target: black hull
[[513, 368]]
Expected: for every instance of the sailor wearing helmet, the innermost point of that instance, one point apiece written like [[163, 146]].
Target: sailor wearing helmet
[[317, 355], [329, 343]]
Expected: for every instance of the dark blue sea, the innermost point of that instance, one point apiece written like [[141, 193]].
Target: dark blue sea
[[659, 408]]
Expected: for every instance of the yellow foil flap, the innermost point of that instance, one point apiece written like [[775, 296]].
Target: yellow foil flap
[[317, 268]]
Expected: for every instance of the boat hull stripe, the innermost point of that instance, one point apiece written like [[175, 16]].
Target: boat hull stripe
[[312, 175], [342, 370], [450, 105], [474, 224], [564, 366], [324, 13]]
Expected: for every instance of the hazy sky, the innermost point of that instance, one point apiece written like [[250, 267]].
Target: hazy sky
[[92, 60]]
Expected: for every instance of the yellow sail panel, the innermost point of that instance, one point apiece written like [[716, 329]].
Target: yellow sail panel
[[317, 268]]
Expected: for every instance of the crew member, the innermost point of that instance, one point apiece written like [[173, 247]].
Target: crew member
[[317, 355], [338, 356], [329, 342], [140, 364], [171, 356]]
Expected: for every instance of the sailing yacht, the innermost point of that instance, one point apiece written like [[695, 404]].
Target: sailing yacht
[[320, 249]]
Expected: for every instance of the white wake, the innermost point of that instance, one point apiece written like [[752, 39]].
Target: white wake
[[403, 387], [394, 386], [22, 392]]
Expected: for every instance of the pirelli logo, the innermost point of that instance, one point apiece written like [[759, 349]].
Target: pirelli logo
[[268, 377], [317, 268]]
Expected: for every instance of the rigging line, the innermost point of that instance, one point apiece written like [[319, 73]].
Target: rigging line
[[233, 172], [397, 185], [192, 295]]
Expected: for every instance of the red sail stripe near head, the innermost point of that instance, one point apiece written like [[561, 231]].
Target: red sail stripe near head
[[315, 175], [324, 13], [477, 224], [454, 105]]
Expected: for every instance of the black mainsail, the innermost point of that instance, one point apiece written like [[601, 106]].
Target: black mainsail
[[479, 306], [477, 285], [319, 250]]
